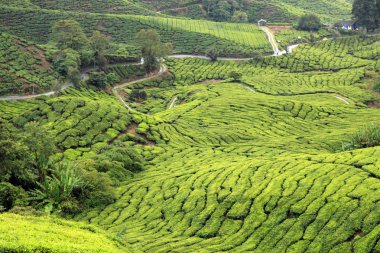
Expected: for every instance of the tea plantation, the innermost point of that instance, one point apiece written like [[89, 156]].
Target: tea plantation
[[23, 67], [271, 154], [46, 234], [275, 11], [187, 36]]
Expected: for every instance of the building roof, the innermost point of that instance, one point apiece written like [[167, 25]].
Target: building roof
[[348, 22]]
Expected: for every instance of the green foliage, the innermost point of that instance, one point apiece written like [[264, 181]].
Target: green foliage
[[67, 62], [23, 67], [151, 48], [49, 234], [138, 95], [68, 34], [367, 13], [239, 17], [99, 44], [235, 75], [364, 138], [95, 6], [125, 71], [235, 167], [100, 79], [56, 192], [11, 196], [14, 156], [119, 162], [213, 53], [186, 36], [309, 22], [275, 11], [376, 86]]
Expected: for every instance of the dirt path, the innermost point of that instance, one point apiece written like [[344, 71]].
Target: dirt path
[[273, 42], [84, 77], [334, 94], [172, 104], [342, 99], [163, 69], [115, 89]]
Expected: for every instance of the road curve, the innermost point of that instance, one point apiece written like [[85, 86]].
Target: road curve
[[84, 77], [162, 70]]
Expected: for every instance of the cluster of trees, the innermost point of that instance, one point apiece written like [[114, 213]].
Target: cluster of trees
[[29, 180], [367, 13], [309, 22], [75, 49], [151, 48], [232, 10]]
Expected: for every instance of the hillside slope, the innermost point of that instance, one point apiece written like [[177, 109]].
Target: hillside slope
[[48, 234], [256, 166], [248, 166], [273, 10], [187, 36], [23, 67]]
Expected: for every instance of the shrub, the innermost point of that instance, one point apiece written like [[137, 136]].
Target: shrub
[[235, 75], [56, 192], [212, 53], [376, 86], [11, 196], [309, 22], [364, 138]]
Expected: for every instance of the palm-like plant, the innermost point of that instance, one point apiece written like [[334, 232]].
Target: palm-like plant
[[58, 187]]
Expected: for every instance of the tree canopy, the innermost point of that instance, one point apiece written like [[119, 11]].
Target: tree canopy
[[151, 48], [367, 13], [68, 34], [309, 22]]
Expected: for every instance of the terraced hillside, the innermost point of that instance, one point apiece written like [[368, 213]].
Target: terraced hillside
[[254, 165], [273, 10], [96, 6], [23, 67], [187, 36]]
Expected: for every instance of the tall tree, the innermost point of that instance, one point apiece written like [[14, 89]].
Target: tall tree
[[68, 34], [240, 17], [99, 43], [309, 22], [151, 48], [221, 12], [367, 13]]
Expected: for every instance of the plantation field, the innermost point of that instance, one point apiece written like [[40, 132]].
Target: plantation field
[[244, 171], [187, 36], [23, 67], [327, 10], [248, 170], [84, 123], [96, 6], [275, 11], [253, 165], [45, 234]]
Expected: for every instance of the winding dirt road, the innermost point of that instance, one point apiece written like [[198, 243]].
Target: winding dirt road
[[162, 70], [84, 77]]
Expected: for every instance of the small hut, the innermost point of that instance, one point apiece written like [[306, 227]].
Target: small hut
[[347, 25], [262, 22]]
